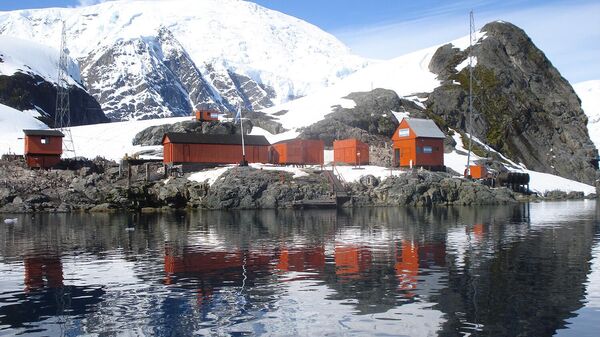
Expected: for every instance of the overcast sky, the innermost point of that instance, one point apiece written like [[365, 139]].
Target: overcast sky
[[567, 31]]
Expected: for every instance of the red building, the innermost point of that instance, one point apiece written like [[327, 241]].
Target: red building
[[418, 142], [350, 151], [298, 152], [43, 148], [181, 148]]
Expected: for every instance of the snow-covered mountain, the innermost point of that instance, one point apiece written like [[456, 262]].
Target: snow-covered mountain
[[589, 93], [231, 52]]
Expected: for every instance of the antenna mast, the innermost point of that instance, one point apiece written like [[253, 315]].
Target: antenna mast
[[62, 115], [472, 37]]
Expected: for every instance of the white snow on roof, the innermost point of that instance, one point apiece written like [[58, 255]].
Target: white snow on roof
[[424, 128]]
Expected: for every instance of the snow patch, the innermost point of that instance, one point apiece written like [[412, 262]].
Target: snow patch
[[589, 93], [466, 63], [12, 124]]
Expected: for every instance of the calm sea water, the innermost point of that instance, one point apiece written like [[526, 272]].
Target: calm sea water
[[528, 270]]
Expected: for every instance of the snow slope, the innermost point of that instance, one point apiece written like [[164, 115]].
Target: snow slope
[[589, 93], [12, 124], [407, 75], [22, 56], [288, 54]]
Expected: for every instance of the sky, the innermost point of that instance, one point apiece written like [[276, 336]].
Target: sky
[[567, 31]]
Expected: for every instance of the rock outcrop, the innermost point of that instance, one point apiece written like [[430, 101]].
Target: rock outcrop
[[101, 186], [153, 135], [523, 107], [31, 92]]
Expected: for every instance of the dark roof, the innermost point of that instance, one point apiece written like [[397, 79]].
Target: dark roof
[[51, 133], [425, 128], [199, 138]]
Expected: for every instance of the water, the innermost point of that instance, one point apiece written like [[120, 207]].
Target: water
[[529, 270]]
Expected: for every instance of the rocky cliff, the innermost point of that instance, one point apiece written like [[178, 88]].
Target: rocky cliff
[[25, 92], [523, 107]]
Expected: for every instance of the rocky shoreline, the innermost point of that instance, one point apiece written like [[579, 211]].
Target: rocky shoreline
[[101, 186]]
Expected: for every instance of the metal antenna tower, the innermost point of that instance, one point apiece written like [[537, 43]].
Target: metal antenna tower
[[472, 37], [62, 116]]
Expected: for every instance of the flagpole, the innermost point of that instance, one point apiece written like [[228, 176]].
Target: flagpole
[[244, 162]]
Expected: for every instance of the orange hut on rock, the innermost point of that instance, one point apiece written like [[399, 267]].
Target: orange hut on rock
[[298, 152], [206, 116], [418, 142], [43, 148], [350, 151]]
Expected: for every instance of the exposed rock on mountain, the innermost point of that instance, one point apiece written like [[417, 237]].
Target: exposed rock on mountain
[[524, 108], [24, 92]]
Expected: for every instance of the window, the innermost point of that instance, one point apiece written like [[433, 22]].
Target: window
[[45, 140], [403, 132], [427, 149]]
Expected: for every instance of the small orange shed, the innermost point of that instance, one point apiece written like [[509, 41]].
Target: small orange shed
[[197, 148], [350, 151], [43, 148], [418, 142], [298, 152], [477, 171], [207, 115]]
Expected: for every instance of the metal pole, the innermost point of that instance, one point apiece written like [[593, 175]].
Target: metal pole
[[470, 126], [244, 162]]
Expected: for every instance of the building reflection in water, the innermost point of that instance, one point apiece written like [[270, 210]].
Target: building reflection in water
[[491, 271]]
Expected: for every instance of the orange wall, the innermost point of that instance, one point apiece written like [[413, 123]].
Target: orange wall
[[33, 144], [213, 153], [299, 151], [477, 171], [345, 151], [42, 161]]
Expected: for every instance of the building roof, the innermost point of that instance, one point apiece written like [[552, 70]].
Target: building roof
[[424, 128], [199, 138], [48, 132]]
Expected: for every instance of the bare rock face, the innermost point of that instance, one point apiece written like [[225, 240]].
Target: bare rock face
[[523, 107], [25, 92]]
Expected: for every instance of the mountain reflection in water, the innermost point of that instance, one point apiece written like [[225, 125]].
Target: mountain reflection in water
[[498, 271]]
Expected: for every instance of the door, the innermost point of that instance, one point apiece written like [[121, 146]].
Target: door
[[396, 157]]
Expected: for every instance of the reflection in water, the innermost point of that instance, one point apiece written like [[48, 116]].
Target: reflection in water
[[515, 270]]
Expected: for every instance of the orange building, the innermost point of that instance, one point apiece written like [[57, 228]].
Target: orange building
[[477, 171], [298, 152], [207, 116], [43, 148], [181, 148], [418, 142], [350, 151]]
